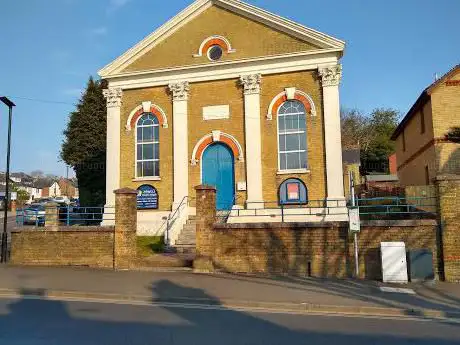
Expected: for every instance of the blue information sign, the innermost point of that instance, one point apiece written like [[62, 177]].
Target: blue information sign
[[147, 197]]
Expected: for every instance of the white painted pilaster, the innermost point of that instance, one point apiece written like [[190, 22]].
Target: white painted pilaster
[[330, 77], [251, 85], [179, 93], [113, 97]]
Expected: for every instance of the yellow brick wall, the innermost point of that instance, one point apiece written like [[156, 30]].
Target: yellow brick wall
[[221, 93], [413, 174], [315, 180], [446, 107], [132, 99], [448, 158], [210, 94], [249, 38]]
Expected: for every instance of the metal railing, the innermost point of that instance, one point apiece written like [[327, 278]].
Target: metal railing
[[397, 207], [65, 216], [284, 212]]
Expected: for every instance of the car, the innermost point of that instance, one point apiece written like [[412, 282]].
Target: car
[[34, 214]]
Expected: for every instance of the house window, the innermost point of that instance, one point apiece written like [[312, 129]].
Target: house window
[[403, 140], [147, 146], [293, 191], [292, 136], [422, 121]]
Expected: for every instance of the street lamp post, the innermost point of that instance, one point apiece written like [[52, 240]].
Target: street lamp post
[[10, 105]]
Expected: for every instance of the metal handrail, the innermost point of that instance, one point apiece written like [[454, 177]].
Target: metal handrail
[[172, 215]]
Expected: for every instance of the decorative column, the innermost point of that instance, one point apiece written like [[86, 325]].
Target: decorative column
[[112, 168], [330, 77], [253, 139], [179, 93]]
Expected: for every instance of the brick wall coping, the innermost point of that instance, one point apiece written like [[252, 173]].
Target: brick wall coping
[[400, 222], [125, 191], [447, 177], [66, 229], [280, 225], [205, 187], [364, 223]]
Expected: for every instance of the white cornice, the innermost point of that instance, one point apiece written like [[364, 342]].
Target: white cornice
[[229, 70], [236, 6]]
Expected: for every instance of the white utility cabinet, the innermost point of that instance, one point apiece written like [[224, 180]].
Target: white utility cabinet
[[394, 263]]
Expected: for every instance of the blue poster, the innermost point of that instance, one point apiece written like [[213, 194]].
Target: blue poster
[[147, 198]]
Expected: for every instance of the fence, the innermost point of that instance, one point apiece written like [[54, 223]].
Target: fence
[[40, 216], [397, 207]]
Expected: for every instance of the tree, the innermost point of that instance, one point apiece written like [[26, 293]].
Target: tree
[[37, 173], [84, 146], [21, 194], [453, 135], [372, 134]]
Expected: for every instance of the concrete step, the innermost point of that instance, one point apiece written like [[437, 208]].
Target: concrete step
[[189, 228], [186, 249]]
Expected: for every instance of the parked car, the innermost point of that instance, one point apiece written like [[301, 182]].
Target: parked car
[[33, 214]]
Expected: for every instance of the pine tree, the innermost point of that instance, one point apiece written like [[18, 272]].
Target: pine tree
[[84, 146]]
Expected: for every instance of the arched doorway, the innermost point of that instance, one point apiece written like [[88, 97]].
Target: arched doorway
[[217, 166]]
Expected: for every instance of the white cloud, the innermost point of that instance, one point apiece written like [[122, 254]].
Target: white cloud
[[115, 5], [100, 31]]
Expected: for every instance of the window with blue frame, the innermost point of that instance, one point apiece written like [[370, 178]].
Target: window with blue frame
[[148, 146], [293, 192]]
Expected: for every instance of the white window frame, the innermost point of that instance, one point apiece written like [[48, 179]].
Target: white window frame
[[294, 131], [136, 143]]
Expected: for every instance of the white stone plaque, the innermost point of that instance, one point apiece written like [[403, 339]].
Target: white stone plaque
[[216, 112]]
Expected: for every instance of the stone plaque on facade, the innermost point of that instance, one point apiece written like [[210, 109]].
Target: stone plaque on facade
[[216, 112], [147, 198]]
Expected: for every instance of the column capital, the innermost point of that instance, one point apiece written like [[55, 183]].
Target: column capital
[[251, 83], [179, 90], [330, 75], [113, 97]]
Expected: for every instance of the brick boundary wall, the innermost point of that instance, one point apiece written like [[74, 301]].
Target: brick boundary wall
[[90, 246], [302, 249], [86, 246], [317, 250], [448, 190]]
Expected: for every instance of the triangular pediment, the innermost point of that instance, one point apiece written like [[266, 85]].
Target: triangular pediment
[[247, 31]]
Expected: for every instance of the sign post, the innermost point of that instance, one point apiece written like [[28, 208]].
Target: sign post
[[355, 222]]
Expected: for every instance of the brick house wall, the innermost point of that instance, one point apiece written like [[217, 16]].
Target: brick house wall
[[426, 153]]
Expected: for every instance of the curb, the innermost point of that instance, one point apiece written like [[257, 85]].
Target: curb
[[300, 308]]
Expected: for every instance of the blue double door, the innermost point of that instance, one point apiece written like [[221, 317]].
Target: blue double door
[[218, 170]]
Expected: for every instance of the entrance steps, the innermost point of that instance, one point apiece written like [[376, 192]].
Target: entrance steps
[[186, 242]]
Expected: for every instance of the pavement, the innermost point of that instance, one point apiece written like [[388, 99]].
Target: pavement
[[435, 300]]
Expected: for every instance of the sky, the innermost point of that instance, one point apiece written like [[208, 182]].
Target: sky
[[49, 49]]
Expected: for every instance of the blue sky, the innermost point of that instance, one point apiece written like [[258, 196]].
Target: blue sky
[[49, 49]]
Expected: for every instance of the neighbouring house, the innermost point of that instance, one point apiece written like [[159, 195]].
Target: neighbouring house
[[229, 95], [376, 185], [61, 187], [422, 149], [393, 164]]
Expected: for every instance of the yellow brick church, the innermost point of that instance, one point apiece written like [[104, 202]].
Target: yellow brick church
[[230, 95]]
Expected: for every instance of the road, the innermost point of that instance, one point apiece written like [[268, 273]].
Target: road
[[52, 322]]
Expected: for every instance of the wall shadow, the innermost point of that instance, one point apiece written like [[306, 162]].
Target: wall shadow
[[42, 321]]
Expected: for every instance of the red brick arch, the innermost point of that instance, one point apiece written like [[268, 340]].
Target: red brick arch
[[215, 41], [207, 140], [282, 97]]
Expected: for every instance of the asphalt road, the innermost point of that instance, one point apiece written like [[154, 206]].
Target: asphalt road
[[46, 322]]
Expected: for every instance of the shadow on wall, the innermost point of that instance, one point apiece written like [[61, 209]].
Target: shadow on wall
[[452, 165], [310, 252], [43, 322]]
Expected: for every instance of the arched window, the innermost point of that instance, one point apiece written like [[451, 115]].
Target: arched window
[[292, 136], [148, 146]]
